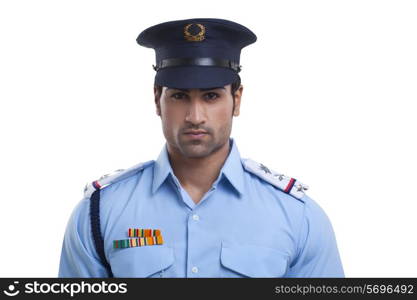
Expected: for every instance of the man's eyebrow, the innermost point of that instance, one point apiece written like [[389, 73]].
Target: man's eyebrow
[[202, 90]]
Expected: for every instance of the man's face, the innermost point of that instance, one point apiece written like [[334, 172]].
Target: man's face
[[197, 122]]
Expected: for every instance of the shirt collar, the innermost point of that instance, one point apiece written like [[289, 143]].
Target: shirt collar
[[232, 169]]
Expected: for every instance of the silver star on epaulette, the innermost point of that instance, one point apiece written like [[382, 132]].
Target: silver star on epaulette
[[280, 176], [264, 168], [301, 187]]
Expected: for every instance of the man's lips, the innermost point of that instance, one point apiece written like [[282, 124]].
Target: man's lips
[[196, 134]]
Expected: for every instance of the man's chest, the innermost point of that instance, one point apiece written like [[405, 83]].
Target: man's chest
[[223, 236]]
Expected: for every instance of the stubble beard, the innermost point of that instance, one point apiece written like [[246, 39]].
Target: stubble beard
[[198, 148], [204, 147]]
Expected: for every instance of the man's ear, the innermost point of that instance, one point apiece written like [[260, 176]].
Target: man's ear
[[157, 97], [238, 98]]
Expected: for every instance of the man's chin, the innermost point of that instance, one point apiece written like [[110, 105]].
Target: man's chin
[[195, 150]]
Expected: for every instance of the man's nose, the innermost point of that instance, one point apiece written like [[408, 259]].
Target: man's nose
[[196, 113]]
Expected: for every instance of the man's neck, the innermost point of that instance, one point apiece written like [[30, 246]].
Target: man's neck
[[198, 174]]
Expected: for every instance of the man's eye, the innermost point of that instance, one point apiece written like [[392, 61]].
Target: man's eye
[[178, 96], [211, 96]]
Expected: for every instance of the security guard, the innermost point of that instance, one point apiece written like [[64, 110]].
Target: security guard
[[199, 210]]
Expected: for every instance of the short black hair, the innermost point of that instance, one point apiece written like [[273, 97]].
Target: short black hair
[[234, 87]]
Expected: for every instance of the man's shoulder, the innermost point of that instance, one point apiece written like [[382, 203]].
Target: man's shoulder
[[115, 177], [286, 184]]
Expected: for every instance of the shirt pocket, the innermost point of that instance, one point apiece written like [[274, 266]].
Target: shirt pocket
[[146, 261], [243, 260]]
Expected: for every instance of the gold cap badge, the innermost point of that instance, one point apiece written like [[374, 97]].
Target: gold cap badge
[[198, 37]]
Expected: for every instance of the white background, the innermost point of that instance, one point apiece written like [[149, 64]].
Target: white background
[[329, 98]]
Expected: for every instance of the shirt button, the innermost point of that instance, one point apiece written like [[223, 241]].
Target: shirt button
[[194, 269], [196, 217]]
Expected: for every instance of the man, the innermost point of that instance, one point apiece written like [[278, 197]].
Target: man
[[199, 210]]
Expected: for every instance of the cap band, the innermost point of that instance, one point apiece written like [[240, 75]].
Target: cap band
[[198, 61]]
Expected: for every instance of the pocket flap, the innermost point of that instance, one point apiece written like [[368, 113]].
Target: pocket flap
[[254, 260], [141, 261]]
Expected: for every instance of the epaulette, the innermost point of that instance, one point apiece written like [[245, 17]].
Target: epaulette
[[113, 177], [286, 184]]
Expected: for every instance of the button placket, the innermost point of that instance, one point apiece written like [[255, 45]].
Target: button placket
[[193, 237]]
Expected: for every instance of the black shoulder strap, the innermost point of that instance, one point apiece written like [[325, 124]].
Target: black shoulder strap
[[95, 229]]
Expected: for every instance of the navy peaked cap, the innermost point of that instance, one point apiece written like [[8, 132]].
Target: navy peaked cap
[[196, 53]]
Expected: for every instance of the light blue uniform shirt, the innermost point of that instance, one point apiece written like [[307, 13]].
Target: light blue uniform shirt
[[243, 226]]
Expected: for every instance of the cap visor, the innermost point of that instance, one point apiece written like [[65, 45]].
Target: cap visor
[[189, 77]]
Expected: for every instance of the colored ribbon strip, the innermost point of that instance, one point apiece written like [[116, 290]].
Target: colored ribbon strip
[[138, 232], [138, 242], [290, 185]]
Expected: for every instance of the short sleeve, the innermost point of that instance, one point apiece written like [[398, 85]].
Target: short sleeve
[[78, 256], [318, 255]]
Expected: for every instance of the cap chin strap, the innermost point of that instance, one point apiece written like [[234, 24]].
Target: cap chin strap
[[198, 61]]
